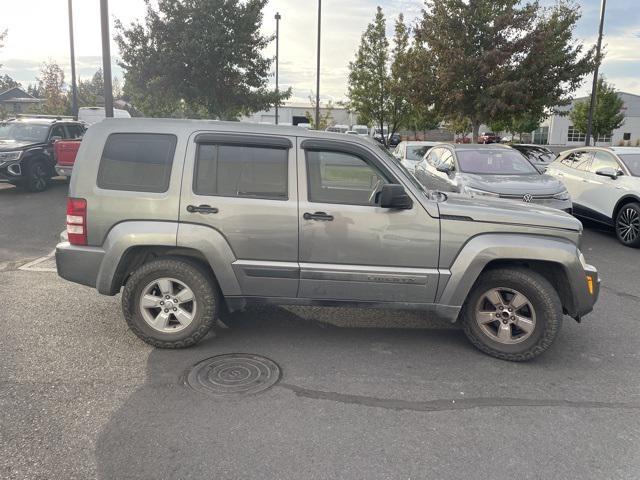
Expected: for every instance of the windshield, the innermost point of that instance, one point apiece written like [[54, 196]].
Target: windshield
[[632, 161], [361, 130], [536, 153], [416, 153], [23, 132], [494, 162]]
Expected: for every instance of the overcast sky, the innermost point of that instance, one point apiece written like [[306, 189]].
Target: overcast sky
[[38, 31]]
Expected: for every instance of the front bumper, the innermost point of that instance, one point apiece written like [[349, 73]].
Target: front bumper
[[64, 170], [586, 292], [79, 264]]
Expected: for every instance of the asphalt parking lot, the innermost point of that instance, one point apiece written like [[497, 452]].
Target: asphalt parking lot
[[362, 394]]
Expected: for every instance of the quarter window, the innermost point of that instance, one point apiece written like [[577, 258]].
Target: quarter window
[[577, 160], [336, 177], [241, 171], [139, 162]]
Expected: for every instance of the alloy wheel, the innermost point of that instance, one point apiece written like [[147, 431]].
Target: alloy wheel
[[629, 225], [167, 305], [505, 315], [38, 177]]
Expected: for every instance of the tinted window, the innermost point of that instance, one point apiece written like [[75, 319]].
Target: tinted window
[[494, 162], [335, 177], [138, 162], [632, 161], [58, 131], [241, 171], [416, 153], [601, 160], [75, 131]]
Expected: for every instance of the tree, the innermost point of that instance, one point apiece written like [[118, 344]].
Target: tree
[[607, 115], [460, 126], [52, 88], [326, 118], [489, 60], [6, 82], [376, 88], [203, 55]]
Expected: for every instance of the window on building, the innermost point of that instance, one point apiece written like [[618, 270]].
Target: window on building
[[139, 162], [573, 135], [241, 171], [541, 136], [606, 138], [626, 136]]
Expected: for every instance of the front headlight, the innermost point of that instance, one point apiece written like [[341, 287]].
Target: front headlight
[[564, 195], [483, 193], [10, 156]]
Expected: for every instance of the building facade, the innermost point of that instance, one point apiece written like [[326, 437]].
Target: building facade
[[559, 130], [15, 101], [295, 113]]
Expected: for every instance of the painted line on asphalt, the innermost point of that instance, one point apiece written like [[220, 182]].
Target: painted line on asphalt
[[35, 265]]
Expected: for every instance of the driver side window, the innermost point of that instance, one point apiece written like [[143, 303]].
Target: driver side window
[[57, 131], [337, 177]]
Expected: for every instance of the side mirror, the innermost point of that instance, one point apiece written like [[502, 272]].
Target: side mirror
[[444, 168], [394, 196], [608, 172]]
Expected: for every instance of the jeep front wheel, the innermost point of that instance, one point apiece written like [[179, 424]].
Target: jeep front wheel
[[512, 314], [170, 303]]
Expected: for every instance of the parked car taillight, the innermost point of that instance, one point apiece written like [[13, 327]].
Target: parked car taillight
[[77, 221]]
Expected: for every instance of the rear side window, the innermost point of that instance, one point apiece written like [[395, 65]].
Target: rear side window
[[241, 171], [138, 162]]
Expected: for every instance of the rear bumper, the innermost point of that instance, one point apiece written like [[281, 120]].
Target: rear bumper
[[79, 264], [64, 170]]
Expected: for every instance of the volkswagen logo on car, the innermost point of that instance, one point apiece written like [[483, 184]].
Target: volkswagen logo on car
[[527, 197]]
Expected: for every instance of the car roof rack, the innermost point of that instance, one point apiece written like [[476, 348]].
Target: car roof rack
[[51, 117]]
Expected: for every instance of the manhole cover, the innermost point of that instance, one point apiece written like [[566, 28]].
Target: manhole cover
[[233, 374]]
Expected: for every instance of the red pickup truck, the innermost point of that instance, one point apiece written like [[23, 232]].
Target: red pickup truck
[[64, 152]]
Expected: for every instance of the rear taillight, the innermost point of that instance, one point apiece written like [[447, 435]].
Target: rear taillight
[[77, 221]]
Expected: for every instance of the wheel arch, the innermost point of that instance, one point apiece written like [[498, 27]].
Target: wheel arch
[[556, 259], [625, 200]]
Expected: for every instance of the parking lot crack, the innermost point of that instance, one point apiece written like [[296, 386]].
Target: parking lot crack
[[443, 405]]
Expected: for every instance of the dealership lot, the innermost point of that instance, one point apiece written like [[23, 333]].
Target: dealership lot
[[387, 395]]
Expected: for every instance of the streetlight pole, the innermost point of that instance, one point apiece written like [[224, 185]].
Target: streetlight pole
[[74, 86], [277, 17], [318, 68], [594, 86], [106, 58]]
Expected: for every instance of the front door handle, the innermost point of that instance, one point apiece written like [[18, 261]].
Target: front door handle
[[318, 216], [205, 209]]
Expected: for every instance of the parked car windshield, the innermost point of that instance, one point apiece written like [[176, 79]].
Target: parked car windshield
[[494, 162], [416, 153], [632, 161], [413, 180], [23, 132]]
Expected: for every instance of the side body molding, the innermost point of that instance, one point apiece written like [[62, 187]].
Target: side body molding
[[215, 248], [481, 250], [125, 235]]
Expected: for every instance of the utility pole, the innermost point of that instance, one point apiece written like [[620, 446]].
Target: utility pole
[[318, 67], [74, 86], [594, 86], [106, 59], [277, 17]]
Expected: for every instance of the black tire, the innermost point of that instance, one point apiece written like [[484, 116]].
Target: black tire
[[205, 291], [37, 176], [542, 297], [628, 225]]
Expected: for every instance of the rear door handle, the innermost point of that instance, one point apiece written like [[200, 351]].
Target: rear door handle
[[318, 216], [205, 209]]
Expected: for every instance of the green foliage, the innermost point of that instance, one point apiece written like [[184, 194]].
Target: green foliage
[[201, 58], [607, 115], [52, 89], [91, 91], [377, 87], [326, 118], [488, 60]]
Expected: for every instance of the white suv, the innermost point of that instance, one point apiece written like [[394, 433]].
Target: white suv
[[604, 184]]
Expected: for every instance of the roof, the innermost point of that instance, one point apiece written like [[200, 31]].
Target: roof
[[231, 127], [17, 94], [419, 143], [617, 150], [475, 146], [42, 121]]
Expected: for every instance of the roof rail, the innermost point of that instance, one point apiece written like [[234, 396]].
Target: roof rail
[[36, 115]]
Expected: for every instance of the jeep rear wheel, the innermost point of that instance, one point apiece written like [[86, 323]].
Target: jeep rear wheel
[[628, 225], [512, 314], [170, 302]]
